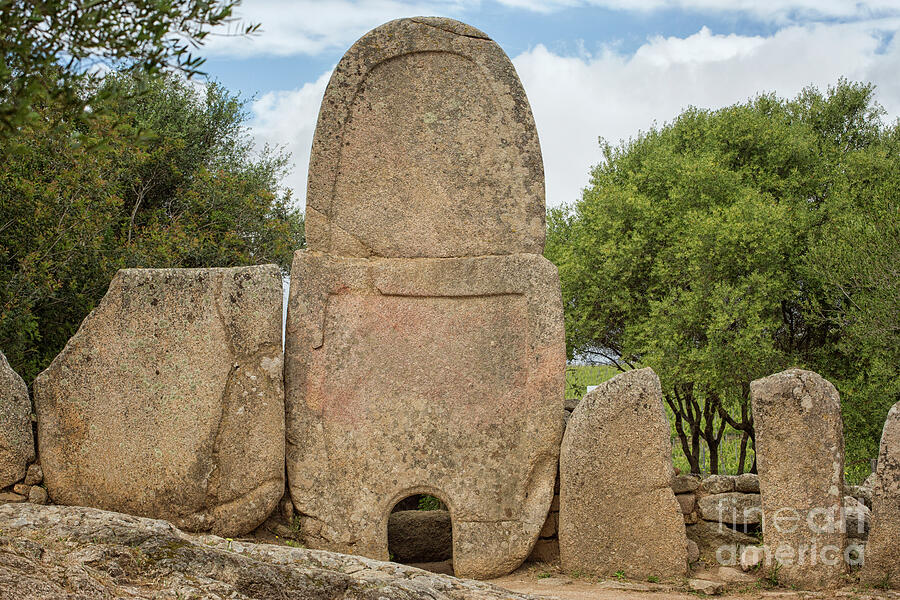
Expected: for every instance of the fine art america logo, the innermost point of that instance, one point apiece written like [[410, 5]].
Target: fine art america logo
[[790, 521]]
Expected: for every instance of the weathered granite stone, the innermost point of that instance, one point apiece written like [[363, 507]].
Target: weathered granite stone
[[437, 376], [34, 475], [16, 438], [800, 457], [37, 495], [752, 557], [857, 518], [882, 564], [686, 502], [425, 147], [168, 402], [747, 483], [420, 536], [617, 509], [425, 348], [57, 552], [732, 507], [706, 587], [718, 543], [718, 484], [693, 551], [861, 493], [685, 483]]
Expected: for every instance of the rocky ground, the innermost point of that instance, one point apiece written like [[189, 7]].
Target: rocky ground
[[547, 581], [57, 552]]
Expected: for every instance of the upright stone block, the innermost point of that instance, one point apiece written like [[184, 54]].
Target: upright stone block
[[16, 438], [800, 458], [617, 510], [882, 558], [168, 402], [425, 349]]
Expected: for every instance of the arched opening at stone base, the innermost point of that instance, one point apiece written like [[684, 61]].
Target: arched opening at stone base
[[420, 533]]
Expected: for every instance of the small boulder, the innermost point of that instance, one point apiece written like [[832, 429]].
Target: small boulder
[[718, 484], [732, 507], [857, 518], [37, 495], [686, 502], [706, 587], [747, 483], [683, 484], [718, 543], [752, 557], [693, 551], [16, 438], [34, 475]]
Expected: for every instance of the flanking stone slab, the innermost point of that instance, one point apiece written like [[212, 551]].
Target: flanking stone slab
[[424, 376], [16, 437], [882, 559], [425, 147], [617, 508], [800, 458], [168, 402]]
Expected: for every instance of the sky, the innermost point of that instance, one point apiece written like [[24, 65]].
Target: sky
[[591, 68]]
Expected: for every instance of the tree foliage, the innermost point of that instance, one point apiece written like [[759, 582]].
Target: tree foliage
[[164, 178], [727, 246], [51, 47]]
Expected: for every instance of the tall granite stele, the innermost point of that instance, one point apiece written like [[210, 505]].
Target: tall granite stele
[[425, 348]]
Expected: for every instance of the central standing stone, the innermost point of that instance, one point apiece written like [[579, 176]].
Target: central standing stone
[[425, 349]]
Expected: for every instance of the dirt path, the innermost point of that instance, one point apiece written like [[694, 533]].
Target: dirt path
[[550, 583]]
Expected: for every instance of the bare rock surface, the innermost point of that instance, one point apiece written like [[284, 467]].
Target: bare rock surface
[[425, 147], [61, 552], [168, 402], [16, 438], [617, 508], [882, 563], [800, 458]]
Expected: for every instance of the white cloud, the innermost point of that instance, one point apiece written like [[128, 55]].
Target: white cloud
[[777, 11], [290, 27], [288, 118], [310, 27], [577, 99]]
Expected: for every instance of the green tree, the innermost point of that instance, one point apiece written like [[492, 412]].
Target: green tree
[[50, 47], [690, 251], [165, 177]]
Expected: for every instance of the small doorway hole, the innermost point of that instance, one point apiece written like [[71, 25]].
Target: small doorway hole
[[420, 534]]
